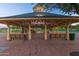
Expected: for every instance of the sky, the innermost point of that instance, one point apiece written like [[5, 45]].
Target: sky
[[10, 9]]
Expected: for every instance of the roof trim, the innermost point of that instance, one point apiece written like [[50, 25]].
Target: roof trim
[[38, 18]]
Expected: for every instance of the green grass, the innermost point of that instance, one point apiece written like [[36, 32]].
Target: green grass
[[2, 31], [61, 30], [16, 31]]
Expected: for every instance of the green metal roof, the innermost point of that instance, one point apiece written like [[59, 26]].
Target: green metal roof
[[36, 15]]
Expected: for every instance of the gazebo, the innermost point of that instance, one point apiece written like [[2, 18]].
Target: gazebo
[[39, 18]]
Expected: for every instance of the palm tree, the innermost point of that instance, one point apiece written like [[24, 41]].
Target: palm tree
[[68, 8]]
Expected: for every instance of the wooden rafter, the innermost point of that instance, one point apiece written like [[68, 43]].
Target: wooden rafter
[[25, 21]]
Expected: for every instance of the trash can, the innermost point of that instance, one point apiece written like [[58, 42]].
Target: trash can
[[74, 53], [72, 36]]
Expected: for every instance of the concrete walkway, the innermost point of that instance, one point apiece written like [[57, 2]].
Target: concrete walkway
[[37, 47]]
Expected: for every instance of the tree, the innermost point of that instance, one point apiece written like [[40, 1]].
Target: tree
[[68, 8]]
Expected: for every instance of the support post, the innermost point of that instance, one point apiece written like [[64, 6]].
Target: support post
[[53, 29], [67, 33], [8, 33], [29, 32], [23, 30], [45, 32]]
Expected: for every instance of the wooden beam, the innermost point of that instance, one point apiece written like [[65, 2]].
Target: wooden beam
[[45, 32], [29, 32], [8, 33], [23, 29], [67, 33]]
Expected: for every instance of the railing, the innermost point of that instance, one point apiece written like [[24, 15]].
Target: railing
[[24, 36], [58, 35], [18, 36]]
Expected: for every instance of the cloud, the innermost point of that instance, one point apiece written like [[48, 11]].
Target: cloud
[[3, 26]]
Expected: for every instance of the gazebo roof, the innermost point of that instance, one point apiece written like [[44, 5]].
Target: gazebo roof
[[36, 15], [39, 17]]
